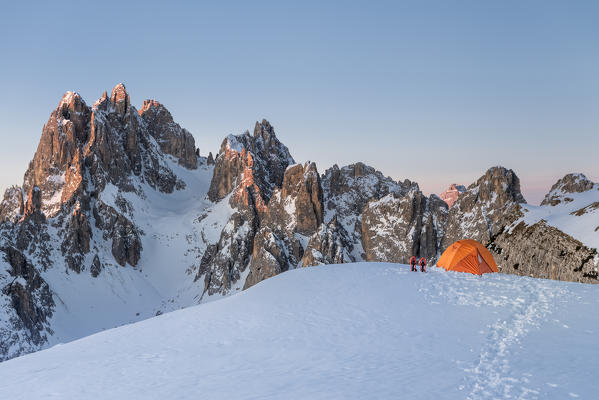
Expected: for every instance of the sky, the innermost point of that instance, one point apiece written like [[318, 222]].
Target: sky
[[433, 91]]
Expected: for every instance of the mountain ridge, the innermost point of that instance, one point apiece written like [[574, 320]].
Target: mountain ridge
[[118, 201]]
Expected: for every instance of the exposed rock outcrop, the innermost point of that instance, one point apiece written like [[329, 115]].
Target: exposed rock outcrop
[[331, 244], [298, 205], [294, 213], [12, 206], [82, 150], [249, 168], [452, 193], [102, 173], [569, 184], [172, 139], [31, 305], [253, 165], [269, 258], [542, 251], [33, 206], [125, 236], [347, 190], [76, 243], [223, 263], [488, 205], [396, 227]]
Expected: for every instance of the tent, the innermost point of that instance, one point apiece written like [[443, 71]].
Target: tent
[[467, 256]]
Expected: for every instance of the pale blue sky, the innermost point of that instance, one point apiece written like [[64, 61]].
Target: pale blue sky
[[433, 91]]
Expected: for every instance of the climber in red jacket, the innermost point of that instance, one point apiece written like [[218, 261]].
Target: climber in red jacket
[[413, 264], [422, 263]]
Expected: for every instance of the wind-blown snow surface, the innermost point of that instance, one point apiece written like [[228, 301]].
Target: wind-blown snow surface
[[365, 330]]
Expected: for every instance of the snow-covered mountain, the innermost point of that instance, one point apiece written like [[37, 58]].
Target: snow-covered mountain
[[105, 229], [119, 218], [352, 331], [561, 235]]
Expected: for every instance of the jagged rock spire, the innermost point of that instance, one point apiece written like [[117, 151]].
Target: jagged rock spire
[[251, 163], [120, 99]]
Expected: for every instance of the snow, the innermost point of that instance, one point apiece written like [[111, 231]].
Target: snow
[[233, 143], [352, 331], [562, 216], [163, 280], [68, 98]]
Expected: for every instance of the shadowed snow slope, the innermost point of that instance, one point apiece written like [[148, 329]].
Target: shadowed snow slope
[[365, 330]]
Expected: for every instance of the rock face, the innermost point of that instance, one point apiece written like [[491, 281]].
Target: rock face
[[348, 190], [395, 228], [118, 203], [28, 301], [172, 139], [12, 206], [252, 164], [294, 213], [298, 205], [531, 245], [452, 193], [224, 263], [488, 205], [543, 251], [331, 244], [59, 220], [248, 168], [561, 191], [62, 139]]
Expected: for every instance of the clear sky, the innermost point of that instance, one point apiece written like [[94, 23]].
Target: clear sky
[[433, 91]]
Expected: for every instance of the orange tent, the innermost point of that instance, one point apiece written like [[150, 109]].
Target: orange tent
[[467, 256]]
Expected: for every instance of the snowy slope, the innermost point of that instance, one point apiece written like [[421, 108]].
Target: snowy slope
[[366, 330], [173, 241], [578, 217]]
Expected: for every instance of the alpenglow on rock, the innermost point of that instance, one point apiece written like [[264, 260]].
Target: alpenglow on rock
[[452, 193], [74, 212], [484, 208], [119, 218]]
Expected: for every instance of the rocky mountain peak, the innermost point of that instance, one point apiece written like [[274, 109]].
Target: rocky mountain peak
[[399, 226], [452, 193], [119, 99], [63, 135], [172, 139], [12, 205], [264, 130], [34, 201], [71, 101], [102, 103], [500, 185], [252, 164], [152, 105], [487, 205], [81, 151], [301, 198], [571, 183]]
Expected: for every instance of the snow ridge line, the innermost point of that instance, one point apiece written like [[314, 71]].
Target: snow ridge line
[[491, 376]]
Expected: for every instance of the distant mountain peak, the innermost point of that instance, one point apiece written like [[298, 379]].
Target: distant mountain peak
[[452, 193], [570, 183]]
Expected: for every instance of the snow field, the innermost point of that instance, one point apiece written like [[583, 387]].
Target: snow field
[[352, 331]]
